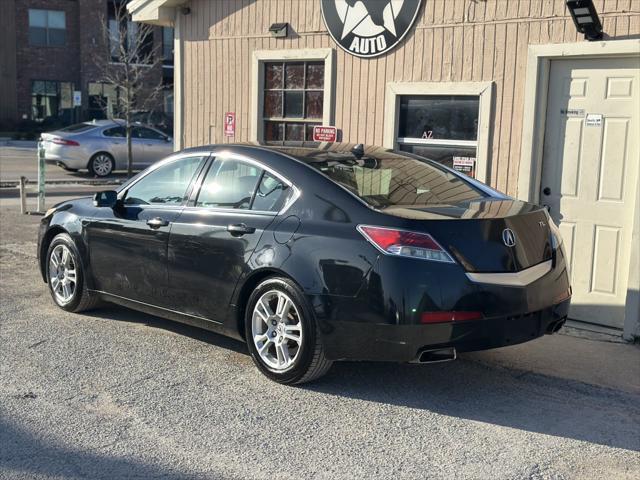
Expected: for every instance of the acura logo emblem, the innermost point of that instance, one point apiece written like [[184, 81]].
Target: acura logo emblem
[[508, 237], [368, 28]]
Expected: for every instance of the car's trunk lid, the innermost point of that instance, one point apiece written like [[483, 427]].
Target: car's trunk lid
[[478, 234]]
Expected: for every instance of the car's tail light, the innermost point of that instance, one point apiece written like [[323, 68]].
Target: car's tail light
[[64, 141], [405, 244], [449, 316]]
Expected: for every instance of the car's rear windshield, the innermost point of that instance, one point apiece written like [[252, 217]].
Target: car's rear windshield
[[78, 127], [394, 180]]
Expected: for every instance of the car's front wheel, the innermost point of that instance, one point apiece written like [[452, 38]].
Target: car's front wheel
[[281, 333], [65, 276], [101, 165]]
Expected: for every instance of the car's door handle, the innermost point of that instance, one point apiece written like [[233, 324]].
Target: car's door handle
[[239, 229], [157, 222]]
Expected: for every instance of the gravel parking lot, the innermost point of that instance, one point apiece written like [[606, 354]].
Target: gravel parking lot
[[119, 394]]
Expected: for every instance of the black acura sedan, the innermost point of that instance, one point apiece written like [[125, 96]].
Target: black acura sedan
[[313, 256]]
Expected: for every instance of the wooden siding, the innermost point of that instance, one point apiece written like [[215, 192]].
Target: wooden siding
[[452, 40]]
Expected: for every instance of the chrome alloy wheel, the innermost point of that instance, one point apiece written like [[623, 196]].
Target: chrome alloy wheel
[[102, 165], [276, 330], [62, 274]]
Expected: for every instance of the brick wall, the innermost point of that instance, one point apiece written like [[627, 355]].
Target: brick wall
[[44, 62], [74, 62]]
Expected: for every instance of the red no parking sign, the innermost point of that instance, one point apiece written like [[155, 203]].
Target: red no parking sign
[[230, 124]]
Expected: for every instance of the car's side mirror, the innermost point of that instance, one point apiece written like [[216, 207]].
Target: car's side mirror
[[107, 198], [169, 139]]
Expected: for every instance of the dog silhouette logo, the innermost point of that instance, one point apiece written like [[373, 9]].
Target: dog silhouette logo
[[369, 28]]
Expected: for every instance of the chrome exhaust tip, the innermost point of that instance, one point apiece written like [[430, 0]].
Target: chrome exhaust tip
[[559, 325], [554, 327], [436, 355]]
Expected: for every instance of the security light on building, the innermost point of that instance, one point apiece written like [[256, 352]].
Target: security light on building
[[586, 19]]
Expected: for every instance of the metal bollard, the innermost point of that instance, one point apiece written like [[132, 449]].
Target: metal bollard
[[41, 184], [23, 195]]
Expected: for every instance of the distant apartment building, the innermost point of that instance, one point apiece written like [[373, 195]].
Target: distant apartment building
[[48, 72]]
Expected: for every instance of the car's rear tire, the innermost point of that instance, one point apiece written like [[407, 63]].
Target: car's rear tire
[[281, 333], [65, 276], [101, 165]]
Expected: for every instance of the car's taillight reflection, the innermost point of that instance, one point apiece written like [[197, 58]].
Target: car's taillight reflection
[[449, 316]]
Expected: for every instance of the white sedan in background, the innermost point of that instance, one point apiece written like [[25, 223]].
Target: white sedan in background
[[101, 147]]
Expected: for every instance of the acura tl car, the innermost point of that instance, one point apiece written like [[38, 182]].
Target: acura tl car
[[314, 255], [100, 147]]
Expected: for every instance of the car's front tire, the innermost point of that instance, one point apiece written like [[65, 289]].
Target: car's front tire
[[65, 276], [281, 333], [101, 165]]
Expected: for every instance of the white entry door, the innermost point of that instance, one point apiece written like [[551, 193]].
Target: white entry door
[[590, 176]]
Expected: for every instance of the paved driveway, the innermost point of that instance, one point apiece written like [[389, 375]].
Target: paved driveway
[[118, 394]]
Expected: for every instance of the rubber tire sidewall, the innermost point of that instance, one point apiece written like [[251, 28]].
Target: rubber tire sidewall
[[93, 172], [309, 331], [65, 239]]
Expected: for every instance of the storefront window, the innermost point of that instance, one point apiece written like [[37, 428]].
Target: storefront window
[[103, 101], [443, 128], [51, 100], [293, 101]]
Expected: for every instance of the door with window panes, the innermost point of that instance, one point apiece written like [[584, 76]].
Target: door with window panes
[[293, 101], [443, 128]]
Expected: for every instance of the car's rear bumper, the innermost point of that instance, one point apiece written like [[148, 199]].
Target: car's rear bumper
[[65, 162], [75, 157], [404, 343]]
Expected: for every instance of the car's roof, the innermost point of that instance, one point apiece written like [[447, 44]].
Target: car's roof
[[310, 154], [100, 123], [109, 123], [337, 152]]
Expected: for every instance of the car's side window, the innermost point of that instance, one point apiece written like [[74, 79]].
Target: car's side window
[[271, 195], [147, 134], [118, 132], [229, 184], [167, 185]]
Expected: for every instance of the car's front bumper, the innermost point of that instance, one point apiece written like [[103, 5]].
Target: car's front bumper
[[404, 343]]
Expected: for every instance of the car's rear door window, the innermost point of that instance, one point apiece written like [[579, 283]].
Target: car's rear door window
[[272, 194], [118, 132], [147, 134], [167, 185], [229, 183]]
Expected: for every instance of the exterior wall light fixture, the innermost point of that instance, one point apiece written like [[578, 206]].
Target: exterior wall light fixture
[[279, 30], [585, 18]]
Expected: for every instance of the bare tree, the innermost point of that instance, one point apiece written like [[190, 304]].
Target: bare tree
[[125, 62]]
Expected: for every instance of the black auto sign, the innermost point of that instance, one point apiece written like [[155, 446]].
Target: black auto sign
[[368, 28]]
